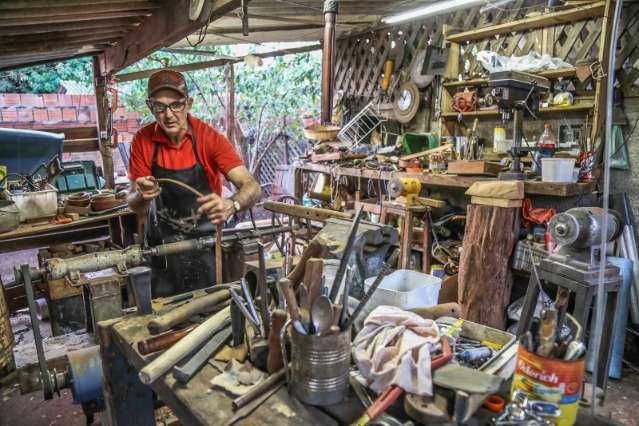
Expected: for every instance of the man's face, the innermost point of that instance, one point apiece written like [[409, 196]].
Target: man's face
[[170, 110]]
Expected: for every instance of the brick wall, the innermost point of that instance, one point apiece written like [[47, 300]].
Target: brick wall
[[54, 111]]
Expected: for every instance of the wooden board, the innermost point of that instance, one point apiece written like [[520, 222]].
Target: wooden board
[[452, 181], [563, 72], [474, 167], [25, 229], [495, 113], [336, 156], [495, 202], [535, 22]]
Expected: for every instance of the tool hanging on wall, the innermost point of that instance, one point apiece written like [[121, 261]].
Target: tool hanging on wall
[[406, 102]]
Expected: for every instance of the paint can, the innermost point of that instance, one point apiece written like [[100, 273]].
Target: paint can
[[552, 380]]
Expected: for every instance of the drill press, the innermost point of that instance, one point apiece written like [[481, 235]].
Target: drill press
[[517, 92]]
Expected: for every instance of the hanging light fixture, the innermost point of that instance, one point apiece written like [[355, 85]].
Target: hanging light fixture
[[438, 8]]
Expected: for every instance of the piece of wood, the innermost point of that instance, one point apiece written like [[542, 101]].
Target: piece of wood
[[443, 180], [163, 28], [61, 289], [219, 273], [495, 202], [485, 277], [102, 122], [437, 311], [81, 145], [213, 63], [314, 249], [506, 189], [197, 306], [427, 152], [336, 156], [184, 347], [313, 278], [540, 21], [274, 358], [474, 167], [311, 213]]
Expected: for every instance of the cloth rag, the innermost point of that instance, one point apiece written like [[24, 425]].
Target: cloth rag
[[238, 378], [394, 347]]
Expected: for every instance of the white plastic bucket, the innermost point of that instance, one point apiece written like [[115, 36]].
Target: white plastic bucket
[[405, 289], [557, 169]]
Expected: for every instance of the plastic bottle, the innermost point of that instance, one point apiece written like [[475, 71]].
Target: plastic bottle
[[547, 139], [546, 147]]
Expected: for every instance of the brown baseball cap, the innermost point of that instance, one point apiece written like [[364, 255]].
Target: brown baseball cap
[[167, 79]]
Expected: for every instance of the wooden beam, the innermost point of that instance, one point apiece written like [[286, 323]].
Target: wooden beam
[[601, 85], [75, 132], [46, 47], [81, 145], [165, 27], [214, 62], [193, 52], [36, 4], [264, 29], [55, 10], [70, 18], [44, 42], [535, 22], [63, 35], [31, 59], [115, 24]]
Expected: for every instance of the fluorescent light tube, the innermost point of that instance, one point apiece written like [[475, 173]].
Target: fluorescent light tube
[[438, 8]]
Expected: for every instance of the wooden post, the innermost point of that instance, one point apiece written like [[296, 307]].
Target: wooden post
[[328, 60], [605, 48], [102, 113], [229, 79]]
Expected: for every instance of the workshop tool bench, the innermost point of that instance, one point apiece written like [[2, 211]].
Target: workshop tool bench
[[129, 402]]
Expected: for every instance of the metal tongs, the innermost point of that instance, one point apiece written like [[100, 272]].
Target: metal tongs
[[247, 306]]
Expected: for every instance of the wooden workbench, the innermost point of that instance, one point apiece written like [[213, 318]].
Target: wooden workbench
[[128, 401], [36, 235], [451, 181]]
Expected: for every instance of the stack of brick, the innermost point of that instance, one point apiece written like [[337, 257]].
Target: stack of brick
[[54, 111]]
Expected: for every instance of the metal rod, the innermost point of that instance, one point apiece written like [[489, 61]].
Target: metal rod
[[262, 288], [258, 389], [337, 282], [37, 337]]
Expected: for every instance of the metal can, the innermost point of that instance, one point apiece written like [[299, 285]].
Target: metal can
[[320, 367]]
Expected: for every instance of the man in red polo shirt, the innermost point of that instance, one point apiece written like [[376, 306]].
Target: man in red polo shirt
[[179, 147]]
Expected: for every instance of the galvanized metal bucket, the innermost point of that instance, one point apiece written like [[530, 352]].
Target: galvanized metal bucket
[[318, 374]]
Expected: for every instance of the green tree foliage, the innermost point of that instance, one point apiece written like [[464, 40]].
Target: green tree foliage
[[269, 99], [45, 78]]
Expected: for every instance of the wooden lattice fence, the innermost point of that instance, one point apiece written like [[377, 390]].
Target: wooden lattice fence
[[276, 156], [360, 59]]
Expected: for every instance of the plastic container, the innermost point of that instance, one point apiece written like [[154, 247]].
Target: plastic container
[[499, 140], [36, 204], [558, 170], [405, 289]]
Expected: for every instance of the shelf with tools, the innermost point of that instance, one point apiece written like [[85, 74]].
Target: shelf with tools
[[550, 74], [495, 113], [531, 187], [544, 20]]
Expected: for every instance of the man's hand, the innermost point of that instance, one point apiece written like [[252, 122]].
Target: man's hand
[[148, 187], [216, 208]]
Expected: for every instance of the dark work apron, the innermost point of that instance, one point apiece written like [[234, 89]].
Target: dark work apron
[[173, 217]]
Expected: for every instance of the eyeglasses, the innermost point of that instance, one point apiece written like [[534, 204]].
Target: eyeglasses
[[159, 107]]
